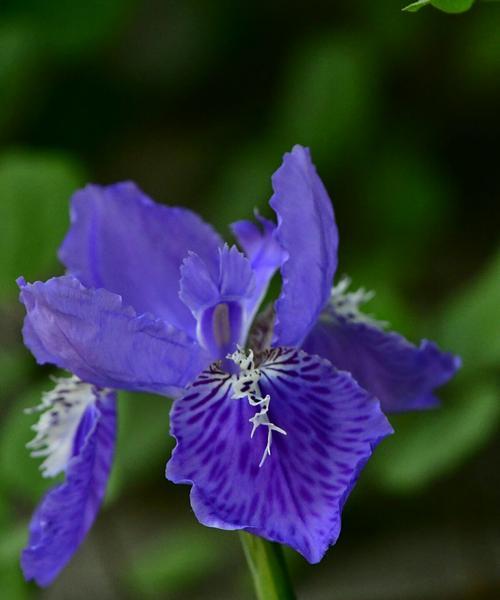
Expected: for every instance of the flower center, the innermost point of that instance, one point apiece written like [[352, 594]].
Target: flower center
[[56, 430], [246, 385]]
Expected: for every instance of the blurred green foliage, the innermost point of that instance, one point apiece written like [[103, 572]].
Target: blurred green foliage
[[174, 562], [471, 318], [197, 102], [21, 478], [427, 445], [65, 29], [430, 444], [143, 441], [33, 213]]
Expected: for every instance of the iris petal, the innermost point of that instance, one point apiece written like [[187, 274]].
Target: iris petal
[[122, 241], [296, 496], [308, 234], [67, 512], [93, 335], [263, 250], [401, 375]]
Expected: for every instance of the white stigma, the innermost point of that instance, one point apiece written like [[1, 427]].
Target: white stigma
[[62, 410], [348, 304], [246, 385]]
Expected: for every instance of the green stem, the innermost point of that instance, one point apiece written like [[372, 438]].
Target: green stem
[[268, 568]]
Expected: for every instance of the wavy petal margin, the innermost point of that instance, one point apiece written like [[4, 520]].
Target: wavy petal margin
[[296, 496], [92, 334]]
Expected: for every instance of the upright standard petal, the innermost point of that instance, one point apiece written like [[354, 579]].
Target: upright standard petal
[[122, 241], [264, 252], [328, 427], [92, 334], [219, 298], [68, 510], [401, 375], [308, 234]]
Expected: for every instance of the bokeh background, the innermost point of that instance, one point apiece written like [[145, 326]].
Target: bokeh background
[[197, 101]]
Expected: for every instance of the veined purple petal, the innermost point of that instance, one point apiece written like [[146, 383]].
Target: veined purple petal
[[263, 250], [296, 496], [218, 298], [92, 334], [308, 234], [63, 518], [401, 375], [122, 241]]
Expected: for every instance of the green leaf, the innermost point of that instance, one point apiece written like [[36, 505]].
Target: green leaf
[[449, 6], [414, 6], [469, 324], [427, 445], [452, 6], [35, 190]]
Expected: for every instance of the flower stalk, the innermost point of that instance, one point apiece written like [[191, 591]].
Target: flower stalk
[[268, 568]]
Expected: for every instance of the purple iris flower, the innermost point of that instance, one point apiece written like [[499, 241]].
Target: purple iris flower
[[275, 412]]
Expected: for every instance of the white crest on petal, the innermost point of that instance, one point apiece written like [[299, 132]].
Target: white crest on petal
[[246, 385], [62, 410], [348, 304]]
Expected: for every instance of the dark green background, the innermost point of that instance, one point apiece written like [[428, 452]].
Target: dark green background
[[197, 101]]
